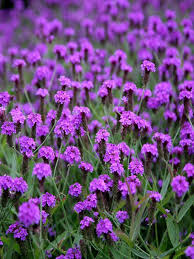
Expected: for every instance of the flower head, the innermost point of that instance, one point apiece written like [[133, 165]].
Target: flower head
[[29, 213], [42, 170], [179, 185], [122, 216], [48, 200], [86, 222], [75, 189], [27, 145]]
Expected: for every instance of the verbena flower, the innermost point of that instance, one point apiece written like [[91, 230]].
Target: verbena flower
[[27, 145], [48, 200], [75, 189], [86, 222], [8, 128], [86, 167], [42, 170], [189, 169], [29, 214], [72, 154], [122, 216], [46, 152], [179, 185], [18, 230], [136, 167]]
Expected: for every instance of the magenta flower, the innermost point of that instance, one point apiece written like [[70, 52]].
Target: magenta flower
[[27, 145], [18, 230], [8, 128], [47, 153], [148, 66], [48, 200], [86, 222], [179, 185], [29, 214], [42, 170], [75, 189], [122, 216], [72, 154], [136, 166], [102, 135]]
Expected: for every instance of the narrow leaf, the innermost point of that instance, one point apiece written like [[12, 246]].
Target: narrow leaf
[[165, 186], [173, 231], [185, 208]]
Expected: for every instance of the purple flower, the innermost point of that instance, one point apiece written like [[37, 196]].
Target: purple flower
[[179, 185], [122, 216], [136, 166], [62, 97], [190, 252], [19, 185], [51, 116], [75, 189], [46, 152], [42, 170], [169, 115], [79, 207], [19, 63], [8, 128], [72, 154], [155, 196], [73, 253], [6, 182], [132, 184], [189, 169], [90, 202], [86, 167], [149, 149], [86, 222], [112, 154], [42, 92], [104, 226], [65, 81], [18, 230], [44, 216], [27, 145], [42, 130], [129, 87], [125, 150], [48, 200], [148, 66], [116, 167], [42, 73], [103, 183], [34, 118], [17, 116], [113, 236], [29, 213], [5, 98], [102, 135]]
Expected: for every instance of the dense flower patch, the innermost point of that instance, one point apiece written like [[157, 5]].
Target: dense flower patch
[[96, 129]]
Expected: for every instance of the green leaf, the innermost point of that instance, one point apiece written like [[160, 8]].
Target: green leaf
[[161, 209], [179, 253], [11, 243], [120, 205], [173, 231], [58, 205], [58, 241], [138, 220], [185, 208], [140, 254], [124, 237], [165, 186]]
